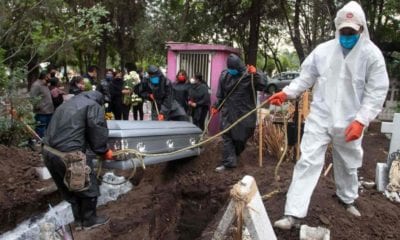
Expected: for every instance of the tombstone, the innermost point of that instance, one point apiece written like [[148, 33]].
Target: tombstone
[[382, 169], [255, 217]]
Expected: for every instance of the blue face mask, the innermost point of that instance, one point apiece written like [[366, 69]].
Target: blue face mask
[[155, 80], [348, 41], [233, 72]]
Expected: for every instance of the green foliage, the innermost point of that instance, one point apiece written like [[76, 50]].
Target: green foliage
[[12, 131]]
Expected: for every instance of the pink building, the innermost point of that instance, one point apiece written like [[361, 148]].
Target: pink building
[[208, 59]]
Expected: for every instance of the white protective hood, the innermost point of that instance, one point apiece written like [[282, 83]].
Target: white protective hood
[[355, 9]]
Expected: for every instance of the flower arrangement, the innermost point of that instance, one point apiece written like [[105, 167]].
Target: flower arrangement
[[131, 80]]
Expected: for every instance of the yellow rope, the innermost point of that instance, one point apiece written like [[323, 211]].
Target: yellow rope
[[278, 165]]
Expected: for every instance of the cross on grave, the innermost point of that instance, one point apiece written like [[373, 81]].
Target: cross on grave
[[255, 217], [394, 129], [382, 169]]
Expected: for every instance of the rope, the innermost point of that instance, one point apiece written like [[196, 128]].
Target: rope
[[205, 131], [133, 170], [241, 200], [278, 165]]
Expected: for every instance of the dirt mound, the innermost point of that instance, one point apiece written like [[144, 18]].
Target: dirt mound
[[19, 184], [185, 199]]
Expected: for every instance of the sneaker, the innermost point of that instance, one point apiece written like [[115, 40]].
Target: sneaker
[[95, 222], [220, 168], [78, 225], [352, 209], [287, 222]]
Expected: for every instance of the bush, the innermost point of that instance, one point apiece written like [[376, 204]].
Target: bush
[[13, 131]]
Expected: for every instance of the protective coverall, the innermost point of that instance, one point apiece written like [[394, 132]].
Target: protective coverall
[[78, 125], [164, 98], [348, 86], [242, 100]]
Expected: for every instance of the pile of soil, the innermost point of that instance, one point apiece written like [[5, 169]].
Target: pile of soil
[[20, 188], [185, 199]]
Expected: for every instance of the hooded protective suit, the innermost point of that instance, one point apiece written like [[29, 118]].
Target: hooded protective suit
[[164, 97], [348, 85], [241, 101]]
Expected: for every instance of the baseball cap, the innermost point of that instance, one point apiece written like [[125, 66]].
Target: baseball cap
[[348, 19]]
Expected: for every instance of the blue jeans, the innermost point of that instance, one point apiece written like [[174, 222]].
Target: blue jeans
[[42, 121]]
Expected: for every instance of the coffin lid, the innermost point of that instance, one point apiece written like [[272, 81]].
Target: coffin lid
[[126, 129]]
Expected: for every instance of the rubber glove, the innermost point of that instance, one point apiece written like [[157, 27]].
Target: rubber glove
[[191, 103], [277, 98], [108, 155], [251, 69], [160, 117], [354, 131], [214, 110], [151, 97]]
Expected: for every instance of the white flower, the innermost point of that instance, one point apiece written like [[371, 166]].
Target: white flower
[[132, 76]]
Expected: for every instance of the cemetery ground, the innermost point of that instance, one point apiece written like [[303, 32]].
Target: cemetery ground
[[186, 199]]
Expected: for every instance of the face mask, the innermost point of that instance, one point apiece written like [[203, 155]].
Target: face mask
[[155, 80], [192, 81], [109, 76], [181, 78], [233, 72], [348, 41]]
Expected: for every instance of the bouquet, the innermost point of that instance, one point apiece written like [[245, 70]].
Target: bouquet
[[130, 81]]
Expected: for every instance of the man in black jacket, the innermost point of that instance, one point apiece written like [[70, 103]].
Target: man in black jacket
[[157, 88], [238, 87], [78, 125]]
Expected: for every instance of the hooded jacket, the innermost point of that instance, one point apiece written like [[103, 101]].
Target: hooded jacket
[[347, 88], [242, 100], [79, 124], [163, 94]]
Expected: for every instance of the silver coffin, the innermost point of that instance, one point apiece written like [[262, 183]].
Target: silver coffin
[[152, 137]]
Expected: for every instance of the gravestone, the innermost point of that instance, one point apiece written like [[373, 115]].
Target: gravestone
[[382, 169]]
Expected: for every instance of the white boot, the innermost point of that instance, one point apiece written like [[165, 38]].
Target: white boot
[[353, 210], [286, 223]]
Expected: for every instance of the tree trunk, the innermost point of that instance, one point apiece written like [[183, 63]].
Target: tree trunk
[[255, 17], [33, 71], [297, 37], [102, 58]]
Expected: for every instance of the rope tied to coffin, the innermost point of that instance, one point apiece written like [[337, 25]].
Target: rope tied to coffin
[[241, 199]]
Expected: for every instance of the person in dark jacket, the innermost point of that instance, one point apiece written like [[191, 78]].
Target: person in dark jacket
[[119, 109], [157, 89], [236, 86], [181, 89], [76, 85], [78, 125], [104, 86], [56, 92], [199, 100], [91, 75]]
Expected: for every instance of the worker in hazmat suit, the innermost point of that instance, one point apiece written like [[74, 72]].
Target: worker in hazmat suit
[[158, 89], [350, 86], [78, 127], [236, 96]]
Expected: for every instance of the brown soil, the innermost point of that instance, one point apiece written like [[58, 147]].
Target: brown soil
[[185, 199], [19, 185]]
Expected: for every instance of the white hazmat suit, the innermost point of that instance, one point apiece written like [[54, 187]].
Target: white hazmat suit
[[346, 88]]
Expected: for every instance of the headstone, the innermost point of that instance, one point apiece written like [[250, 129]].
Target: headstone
[[382, 169], [394, 129], [255, 217]]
